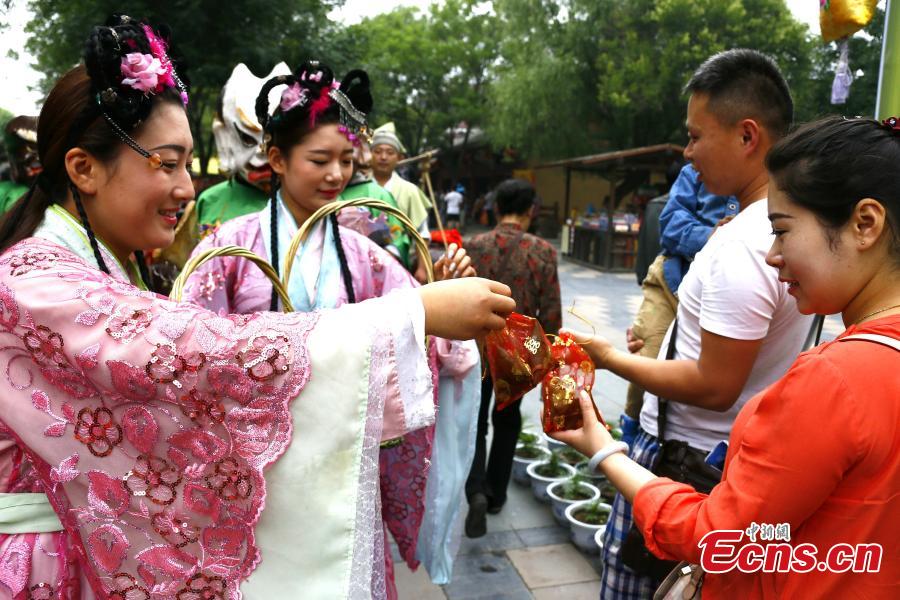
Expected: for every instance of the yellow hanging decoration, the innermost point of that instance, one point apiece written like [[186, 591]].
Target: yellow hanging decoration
[[842, 18]]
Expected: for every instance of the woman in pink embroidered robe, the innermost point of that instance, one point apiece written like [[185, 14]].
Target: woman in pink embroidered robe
[[156, 429], [149, 423], [235, 285]]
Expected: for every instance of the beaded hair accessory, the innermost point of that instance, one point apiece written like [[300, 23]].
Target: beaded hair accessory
[[353, 121], [297, 95], [140, 75]]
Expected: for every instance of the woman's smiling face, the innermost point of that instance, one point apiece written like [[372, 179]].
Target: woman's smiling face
[[133, 205], [817, 263], [314, 171]]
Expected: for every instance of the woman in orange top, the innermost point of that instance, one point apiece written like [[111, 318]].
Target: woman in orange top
[[819, 449]]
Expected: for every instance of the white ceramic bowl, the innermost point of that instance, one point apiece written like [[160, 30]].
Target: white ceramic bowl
[[584, 534], [539, 482], [520, 464], [561, 504]]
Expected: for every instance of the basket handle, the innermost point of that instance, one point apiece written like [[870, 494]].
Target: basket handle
[[195, 261], [333, 207]]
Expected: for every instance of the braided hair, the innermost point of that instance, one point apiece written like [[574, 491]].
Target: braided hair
[[311, 99]]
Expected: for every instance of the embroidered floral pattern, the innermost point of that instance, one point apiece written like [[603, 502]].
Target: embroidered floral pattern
[[98, 431], [127, 588], [202, 408], [265, 357], [131, 382], [175, 528], [40, 591], [230, 480], [25, 262], [126, 322], [154, 478], [46, 346], [203, 587], [166, 366], [125, 381], [210, 284], [230, 382], [403, 480], [375, 261]]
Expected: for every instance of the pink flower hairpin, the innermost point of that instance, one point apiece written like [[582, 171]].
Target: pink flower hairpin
[[142, 72], [293, 96]]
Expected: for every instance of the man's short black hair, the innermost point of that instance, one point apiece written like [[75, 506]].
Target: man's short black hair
[[745, 84], [514, 197]]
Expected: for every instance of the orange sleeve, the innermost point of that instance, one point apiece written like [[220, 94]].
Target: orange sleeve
[[796, 447]]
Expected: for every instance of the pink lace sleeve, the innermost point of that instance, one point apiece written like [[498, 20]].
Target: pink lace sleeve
[[149, 423]]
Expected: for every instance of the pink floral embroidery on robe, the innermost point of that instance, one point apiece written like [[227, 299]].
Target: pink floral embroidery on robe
[[147, 423]]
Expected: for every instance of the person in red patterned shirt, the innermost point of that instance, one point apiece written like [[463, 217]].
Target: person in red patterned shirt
[[527, 264]]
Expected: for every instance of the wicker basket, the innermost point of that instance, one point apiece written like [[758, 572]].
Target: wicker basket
[[333, 207], [194, 263]]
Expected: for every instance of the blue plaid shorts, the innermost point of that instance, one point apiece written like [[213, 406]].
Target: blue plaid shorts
[[618, 581]]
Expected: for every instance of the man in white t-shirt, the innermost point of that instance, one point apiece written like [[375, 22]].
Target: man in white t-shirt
[[738, 329], [453, 202]]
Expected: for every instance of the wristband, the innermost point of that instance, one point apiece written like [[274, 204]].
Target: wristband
[[605, 453]]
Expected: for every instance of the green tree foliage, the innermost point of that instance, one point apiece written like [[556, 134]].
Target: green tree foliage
[[429, 71], [212, 36], [578, 75], [552, 78], [543, 99]]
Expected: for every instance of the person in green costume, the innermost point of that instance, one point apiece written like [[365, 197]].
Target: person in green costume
[[387, 151], [20, 139]]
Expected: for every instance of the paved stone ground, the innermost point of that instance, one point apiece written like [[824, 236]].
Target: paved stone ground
[[525, 554]]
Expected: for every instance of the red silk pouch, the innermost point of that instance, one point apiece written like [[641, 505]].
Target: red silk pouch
[[562, 385], [518, 356]]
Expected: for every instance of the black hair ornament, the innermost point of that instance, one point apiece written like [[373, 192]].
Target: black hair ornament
[[128, 64]]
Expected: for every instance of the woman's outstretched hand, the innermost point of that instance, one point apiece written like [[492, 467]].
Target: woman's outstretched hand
[[592, 436], [464, 309]]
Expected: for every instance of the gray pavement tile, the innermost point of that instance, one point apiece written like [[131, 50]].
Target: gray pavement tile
[[596, 561], [543, 536], [548, 566], [576, 591], [495, 541], [416, 584], [485, 576]]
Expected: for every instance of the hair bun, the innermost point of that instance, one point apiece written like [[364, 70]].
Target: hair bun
[[355, 86], [314, 75], [104, 51]]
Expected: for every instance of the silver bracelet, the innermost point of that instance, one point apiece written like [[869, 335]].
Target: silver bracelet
[[605, 453]]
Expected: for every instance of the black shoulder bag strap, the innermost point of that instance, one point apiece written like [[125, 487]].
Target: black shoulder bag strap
[[662, 405]]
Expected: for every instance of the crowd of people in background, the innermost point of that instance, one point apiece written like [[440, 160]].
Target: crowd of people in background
[[269, 432]]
